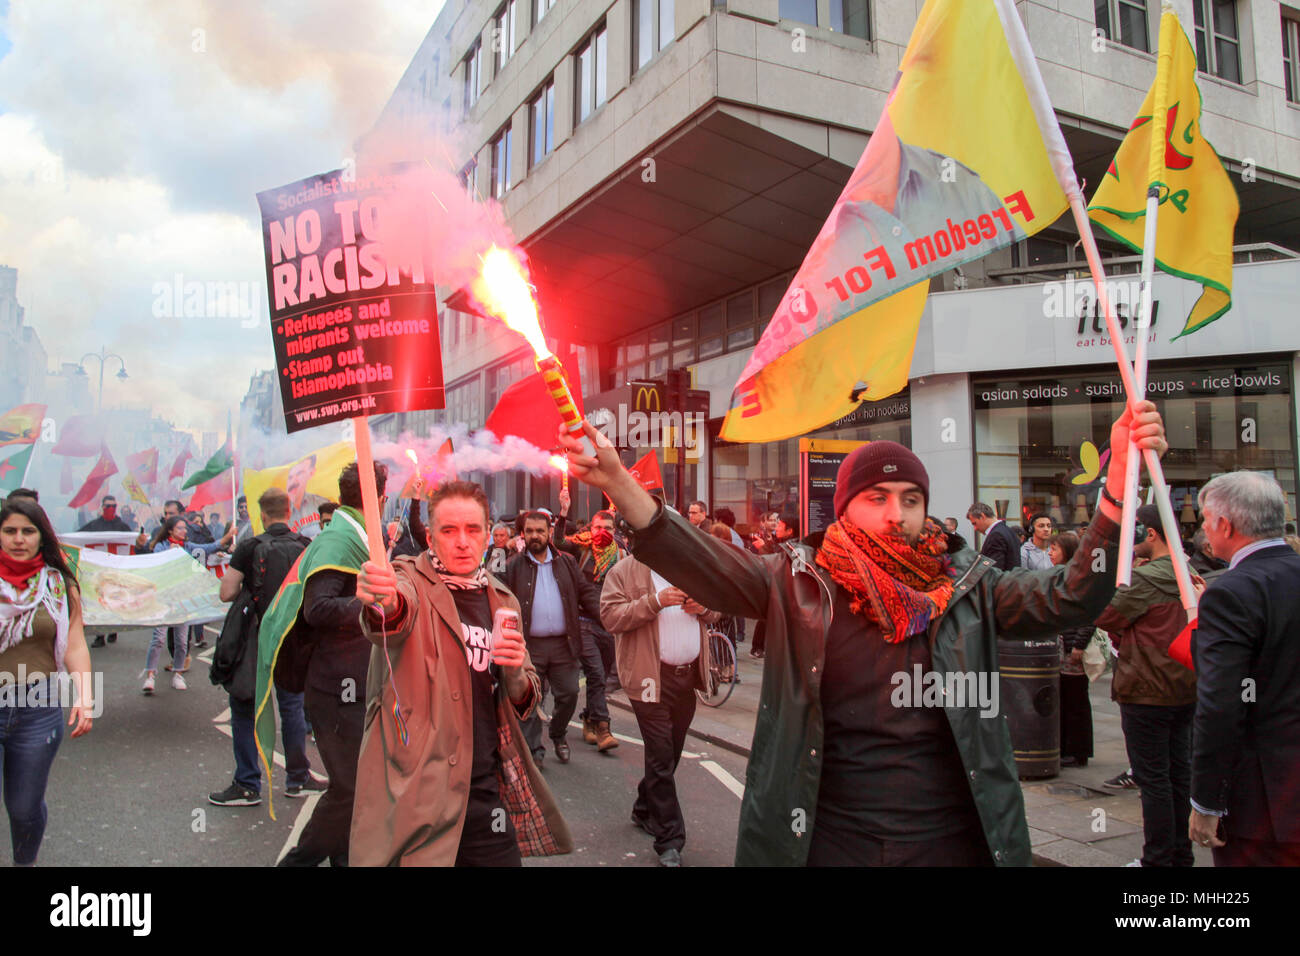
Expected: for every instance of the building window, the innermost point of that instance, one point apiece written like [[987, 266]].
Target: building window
[[505, 36], [541, 124], [653, 28], [501, 163], [473, 72], [1218, 44], [590, 70], [1123, 21], [852, 18], [541, 8], [801, 11], [1291, 58]]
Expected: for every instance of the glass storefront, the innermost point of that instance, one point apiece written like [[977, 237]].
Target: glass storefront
[[1042, 442], [751, 479]]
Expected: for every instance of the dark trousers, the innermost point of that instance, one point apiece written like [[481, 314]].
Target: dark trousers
[[835, 848], [1159, 741], [1240, 852], [293, 731], [1076, 717], [339, 727], [663, 727], [760, 639], [593, 667], [554, 662]]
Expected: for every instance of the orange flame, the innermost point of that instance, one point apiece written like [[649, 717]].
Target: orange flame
[[503, 289]]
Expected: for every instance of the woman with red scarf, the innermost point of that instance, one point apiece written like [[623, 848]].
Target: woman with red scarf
[[41, 637]]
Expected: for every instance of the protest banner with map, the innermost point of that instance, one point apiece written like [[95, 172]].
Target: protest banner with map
[[146, 590], [354, 316]]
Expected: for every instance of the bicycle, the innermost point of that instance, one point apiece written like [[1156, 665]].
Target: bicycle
[[723, 671]]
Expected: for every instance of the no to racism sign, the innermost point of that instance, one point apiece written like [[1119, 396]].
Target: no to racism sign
[[354, 317]]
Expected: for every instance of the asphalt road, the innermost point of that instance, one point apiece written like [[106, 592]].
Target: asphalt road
[[133, 792]]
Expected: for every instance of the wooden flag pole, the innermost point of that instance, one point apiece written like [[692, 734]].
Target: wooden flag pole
[[369, 491], [1063, 165]]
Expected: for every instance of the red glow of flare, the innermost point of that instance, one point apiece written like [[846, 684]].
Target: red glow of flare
[[502, 287]]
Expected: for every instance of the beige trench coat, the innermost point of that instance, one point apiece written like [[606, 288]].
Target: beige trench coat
[[411, 798]]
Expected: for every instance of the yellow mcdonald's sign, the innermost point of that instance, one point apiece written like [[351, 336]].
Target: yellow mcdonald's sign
[[646, 394]]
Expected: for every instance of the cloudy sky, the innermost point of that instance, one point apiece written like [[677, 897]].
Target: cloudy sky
[[134, 136]]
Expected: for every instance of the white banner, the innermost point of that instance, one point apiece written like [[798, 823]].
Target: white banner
[[146, 590]]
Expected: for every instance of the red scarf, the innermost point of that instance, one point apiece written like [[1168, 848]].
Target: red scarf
[[179, 542], [18, 573], [900, 587]]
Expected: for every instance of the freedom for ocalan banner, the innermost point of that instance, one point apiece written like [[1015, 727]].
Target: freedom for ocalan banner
[[146, 590], [354, 316]]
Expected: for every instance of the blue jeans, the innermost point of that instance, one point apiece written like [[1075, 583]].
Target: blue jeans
[[159, 643], [29, 739], [293, 729]]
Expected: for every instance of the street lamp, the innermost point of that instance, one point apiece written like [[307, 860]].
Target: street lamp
[[103, 355]]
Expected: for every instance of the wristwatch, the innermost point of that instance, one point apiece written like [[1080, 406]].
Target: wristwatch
[[1105, 493]]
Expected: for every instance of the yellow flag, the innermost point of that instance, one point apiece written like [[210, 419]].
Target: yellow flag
[[132, 486], [955, 169], [310, 480], [1198, 204]]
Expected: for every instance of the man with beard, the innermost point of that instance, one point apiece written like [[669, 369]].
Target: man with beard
[[844, 769], [550, 592]]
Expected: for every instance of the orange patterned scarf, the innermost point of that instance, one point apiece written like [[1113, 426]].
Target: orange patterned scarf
[[900, 587]]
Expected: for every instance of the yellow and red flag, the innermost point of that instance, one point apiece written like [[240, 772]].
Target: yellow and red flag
[[955, 169], [1198, 204], [143, 465], [131, 484]]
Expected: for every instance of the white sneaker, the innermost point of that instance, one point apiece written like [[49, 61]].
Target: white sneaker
[[178, 682], [1134, 863], [147, 687]]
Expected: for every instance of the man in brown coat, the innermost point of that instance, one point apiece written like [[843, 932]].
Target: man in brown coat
[[449, 781], [663, 656]]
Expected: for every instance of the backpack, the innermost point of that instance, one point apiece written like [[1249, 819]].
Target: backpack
[[234, 657]]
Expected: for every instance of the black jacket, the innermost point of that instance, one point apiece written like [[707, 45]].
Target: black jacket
[[1002, 547], [102, 524], [332, 613], [1246, 735], [576, 590]]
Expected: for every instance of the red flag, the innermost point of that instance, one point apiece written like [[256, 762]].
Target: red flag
[[178, 469], [214, 491], [1181, 648], [98, 475], [144, 466], [80, 438], [527, 410], [646, 472]]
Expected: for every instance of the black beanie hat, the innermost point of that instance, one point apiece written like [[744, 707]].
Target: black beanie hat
[[876, 462]]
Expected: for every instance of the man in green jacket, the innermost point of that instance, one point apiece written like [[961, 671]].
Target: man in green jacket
[[878, 740]]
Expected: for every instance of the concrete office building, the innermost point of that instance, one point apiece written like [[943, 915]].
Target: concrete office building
[[667, 163]]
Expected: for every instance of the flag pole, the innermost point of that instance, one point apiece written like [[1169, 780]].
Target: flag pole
[[1063, 164], [1155, 166], [369, 491]]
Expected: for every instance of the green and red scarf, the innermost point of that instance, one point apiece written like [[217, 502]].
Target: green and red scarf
[[605, 557], [900, 587]]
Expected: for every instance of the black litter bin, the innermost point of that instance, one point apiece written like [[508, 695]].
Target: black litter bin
[[1030, 697]]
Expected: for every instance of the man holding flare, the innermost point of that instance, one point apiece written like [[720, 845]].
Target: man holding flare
[[844, 770]]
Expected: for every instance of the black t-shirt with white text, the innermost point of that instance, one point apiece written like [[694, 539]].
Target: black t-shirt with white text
[[486, 820]]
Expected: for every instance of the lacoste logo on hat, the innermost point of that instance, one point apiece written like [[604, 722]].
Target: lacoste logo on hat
[[889, 469]]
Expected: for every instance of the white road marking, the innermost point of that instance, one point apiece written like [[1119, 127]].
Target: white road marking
[[299, 824], [223, 717], [726, 779]]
